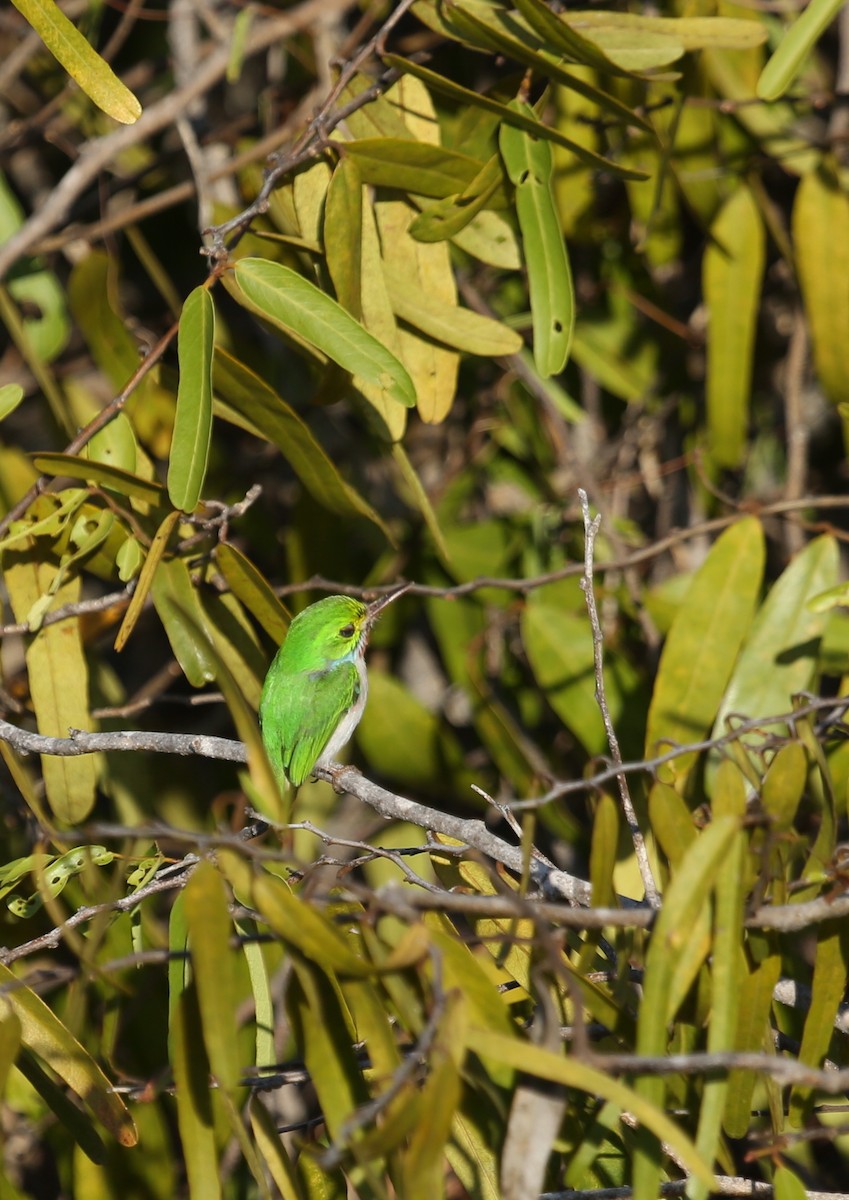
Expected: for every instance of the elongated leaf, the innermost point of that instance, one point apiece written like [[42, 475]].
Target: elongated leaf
[[80, 60], [291, 302], [449, 217], [151, 562], [427, 268], [58, 679], [509, 115], [342, 234], [726, 964], [795, 46], [571, 1072], [779, 657], [453, 326], [270, 1145], [827, 991], [559, 647], [685, 899], [193, 422], [303, 926], [412, 166], [254, 590], [732, 276], [704, 641], [114, 478], [754, 1032], [45, 1035], [389, 418], [322, 1033], [821, 237], [11, 394], [210, 929], [424, 1161], [194, 1098], [530, 166], [624, 35], [271, 417], [174, 595], [557, 33]]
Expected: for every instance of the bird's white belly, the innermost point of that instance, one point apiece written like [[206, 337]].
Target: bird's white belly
[[344, 730]]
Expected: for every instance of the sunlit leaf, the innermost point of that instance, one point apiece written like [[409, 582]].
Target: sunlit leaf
[[732, 276], [193, 423], [529, 164], [80, 60], [292, 302]]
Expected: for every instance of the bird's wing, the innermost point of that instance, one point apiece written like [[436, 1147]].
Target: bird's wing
[[300, 715]]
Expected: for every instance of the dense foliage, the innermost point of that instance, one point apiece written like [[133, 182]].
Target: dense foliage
[[321, 297]]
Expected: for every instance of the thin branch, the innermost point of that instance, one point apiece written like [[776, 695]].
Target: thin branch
[[591, 526], [723, 1185]]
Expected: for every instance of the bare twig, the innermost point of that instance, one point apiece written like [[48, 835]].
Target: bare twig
[[591, 526]]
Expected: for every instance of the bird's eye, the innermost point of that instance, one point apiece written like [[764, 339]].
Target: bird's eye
[[347, 631]]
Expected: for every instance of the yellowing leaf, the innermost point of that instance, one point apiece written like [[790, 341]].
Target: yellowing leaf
[[80, 60], [732, 274], [821, 238], [58, 679], [44, 1034]]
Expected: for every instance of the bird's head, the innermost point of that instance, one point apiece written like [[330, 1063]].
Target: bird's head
[[335, 628]]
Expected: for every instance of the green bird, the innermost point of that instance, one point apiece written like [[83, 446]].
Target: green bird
[[316, 689]]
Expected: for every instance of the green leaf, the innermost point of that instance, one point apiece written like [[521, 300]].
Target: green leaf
[[555, 30], [726, 968], [685, 901], [827, 991], [821, 238], [732, 276], [253, 589], [193, 422], [530, 166], [560, 650], [798, 42], [705, 639], [44, 1034], [453, 215], [779, 657], [195, 1119], [343, 233], [11, 394], [508, 114], [322, 1035], [293, 303], [114, 478], [174, 595], [80, 60], [210, 929], [269, 416]]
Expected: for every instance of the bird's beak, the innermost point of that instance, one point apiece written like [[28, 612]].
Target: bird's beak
[[377, 606]]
